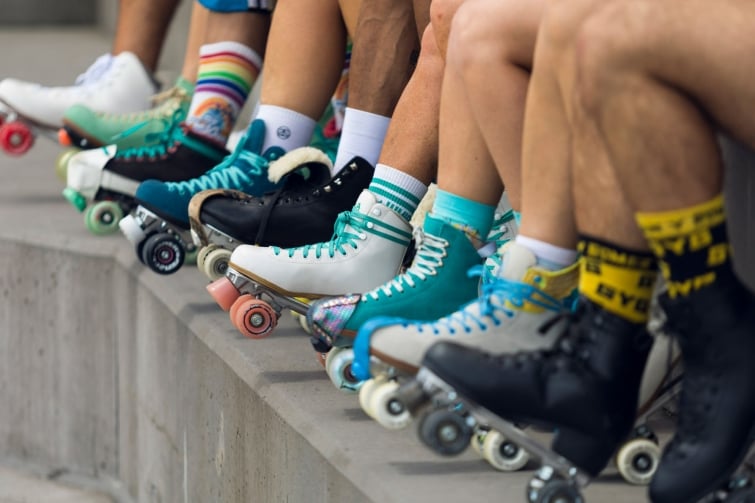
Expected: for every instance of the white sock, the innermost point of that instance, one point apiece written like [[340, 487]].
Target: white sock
[[549, 256], [285, 128], [397, 190], [362, 135]]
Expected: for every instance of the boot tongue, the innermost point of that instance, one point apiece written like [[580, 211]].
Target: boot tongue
[[516, 259], [365, 202]]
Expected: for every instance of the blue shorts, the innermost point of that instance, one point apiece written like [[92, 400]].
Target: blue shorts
[[238, 5]]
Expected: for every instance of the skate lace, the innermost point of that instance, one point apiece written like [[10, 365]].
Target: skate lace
[[95, 71], [235, 171], [155, 144], [431, 251], [349, 228], [498, 296]]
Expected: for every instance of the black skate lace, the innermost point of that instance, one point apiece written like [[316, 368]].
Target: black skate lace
[[286, 192]]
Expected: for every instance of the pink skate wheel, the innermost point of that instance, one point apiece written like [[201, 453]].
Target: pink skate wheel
[[16, 138], [253, 317], [224, 293]]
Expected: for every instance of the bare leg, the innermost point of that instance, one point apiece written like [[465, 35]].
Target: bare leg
[[411, 143], [248, 28], [301, 72], [197, 34], [141, 29], [377, 77]]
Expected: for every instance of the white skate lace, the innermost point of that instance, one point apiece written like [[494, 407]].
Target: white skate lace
[[498, 296], [95, 71], [430, 253]]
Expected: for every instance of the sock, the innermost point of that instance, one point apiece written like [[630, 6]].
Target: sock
[[397, 190], [227, 71], [619, 280], [467, 215], [362, 135], [550, 257], [285, 128], [691, 244]]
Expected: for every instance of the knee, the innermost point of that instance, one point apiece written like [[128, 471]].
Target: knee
[[493, 32], [605, 52], [441, 14]]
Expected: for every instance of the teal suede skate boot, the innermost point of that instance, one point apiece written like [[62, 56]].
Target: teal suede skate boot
[[163, 211], [85, 128], [435, 285]]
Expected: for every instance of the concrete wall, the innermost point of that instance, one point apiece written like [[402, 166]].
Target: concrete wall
[[36, 12]]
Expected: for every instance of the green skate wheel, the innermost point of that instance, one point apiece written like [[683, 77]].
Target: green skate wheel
[[191, 255], [102, 218], [61, 163], [77, 200]]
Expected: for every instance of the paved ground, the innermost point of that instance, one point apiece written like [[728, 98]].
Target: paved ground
[[20, 487]]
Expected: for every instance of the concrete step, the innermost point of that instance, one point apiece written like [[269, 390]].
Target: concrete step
[[112, 372], [19, 486]]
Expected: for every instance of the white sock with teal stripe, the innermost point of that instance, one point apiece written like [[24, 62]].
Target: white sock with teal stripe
[[397, 190]]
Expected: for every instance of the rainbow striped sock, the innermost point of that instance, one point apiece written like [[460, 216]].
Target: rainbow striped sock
[[227, 71]]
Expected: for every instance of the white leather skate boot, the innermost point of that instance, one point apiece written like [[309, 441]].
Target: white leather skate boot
[[366, 250], [114, 84]]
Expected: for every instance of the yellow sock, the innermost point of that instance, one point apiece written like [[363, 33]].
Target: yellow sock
[[619, 280], [691, 244]]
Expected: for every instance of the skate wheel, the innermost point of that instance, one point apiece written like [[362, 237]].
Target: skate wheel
[[191, 254], [387, 408], [163, 253], [365, 394], [16, 138], [338, 366], [503, 454], [133, 232], [478, 439], [253, 317], [102, 217], [213, 261], [224, 293], [444, 431], [553, 491], [76, 199], [637, 460], [61, 163]]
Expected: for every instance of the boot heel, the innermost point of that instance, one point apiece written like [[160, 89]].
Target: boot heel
[[590, 453]]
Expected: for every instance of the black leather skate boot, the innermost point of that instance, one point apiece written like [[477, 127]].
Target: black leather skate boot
[[302, 211], [716, 331], [586, 386]]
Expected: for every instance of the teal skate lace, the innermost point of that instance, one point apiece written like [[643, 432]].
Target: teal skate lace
[[155, 144], [430, 253], [227, 174], [350, 228], [498, 295]]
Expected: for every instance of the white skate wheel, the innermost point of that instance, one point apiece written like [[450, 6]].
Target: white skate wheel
[[502, 454], [132, 230], [387, 408], [637, 460]]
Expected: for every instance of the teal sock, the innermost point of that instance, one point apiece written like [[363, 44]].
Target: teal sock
[[518, 218], [470, 216]]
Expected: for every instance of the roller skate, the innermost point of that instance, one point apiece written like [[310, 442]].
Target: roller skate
[[715, 327], [103, 182], [367, 247], [586, 388], [435, 284], [159, 227], [505, 318], [84, 128], [303, 211], [116, 84]]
